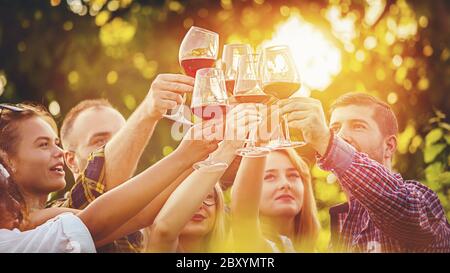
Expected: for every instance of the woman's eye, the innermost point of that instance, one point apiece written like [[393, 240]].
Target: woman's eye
[[293, 175], [358, 126], [100, 142], [269, 177], [43, 144]]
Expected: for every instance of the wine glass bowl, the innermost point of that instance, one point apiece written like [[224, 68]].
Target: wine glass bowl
[[280, 79], [210, 101], [248, 90], [230, 62], [199, 49]]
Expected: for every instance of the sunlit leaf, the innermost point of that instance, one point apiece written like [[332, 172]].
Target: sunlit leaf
[[405, 137], [444, 178], [443, 199], [433, 136], [432, 151], [447, 138], [432, 171], [444, 125]]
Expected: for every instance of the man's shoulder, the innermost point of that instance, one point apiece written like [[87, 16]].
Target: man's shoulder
[[427, 195], [419, 186]]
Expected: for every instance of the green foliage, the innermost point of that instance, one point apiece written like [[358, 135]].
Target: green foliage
[[431, 151], [436, 157]]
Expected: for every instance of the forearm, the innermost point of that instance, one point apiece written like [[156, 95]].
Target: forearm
[[245, 203], [187, 198], [122, 203], [247, 188], [146, 217], [123, 152]]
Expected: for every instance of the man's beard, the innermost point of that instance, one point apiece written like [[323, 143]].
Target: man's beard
[[375, 154]]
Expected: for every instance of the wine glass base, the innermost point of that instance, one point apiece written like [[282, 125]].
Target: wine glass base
[[286, 145], [210, 166], [179, 118], [253, 151]]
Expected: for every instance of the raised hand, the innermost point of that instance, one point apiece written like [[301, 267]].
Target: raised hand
[[198, 142], [166, 93], [307, 115]]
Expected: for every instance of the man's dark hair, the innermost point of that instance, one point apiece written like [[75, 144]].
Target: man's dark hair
[[382, 114]]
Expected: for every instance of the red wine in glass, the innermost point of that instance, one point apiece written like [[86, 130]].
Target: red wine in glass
[[208, 112], [190, 66]]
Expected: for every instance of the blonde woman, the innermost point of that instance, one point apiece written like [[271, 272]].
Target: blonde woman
[[273, 207], [192, 219]]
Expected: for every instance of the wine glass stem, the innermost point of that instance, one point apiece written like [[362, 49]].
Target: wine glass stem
[[252, 138], [281, 133], [286, 129]]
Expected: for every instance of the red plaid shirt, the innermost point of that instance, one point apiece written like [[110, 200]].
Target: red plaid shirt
[[384, 213]]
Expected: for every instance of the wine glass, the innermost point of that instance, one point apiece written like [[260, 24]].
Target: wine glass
[[199, 49], [248, 90], [280, 79], [230, 60], [210, 101]]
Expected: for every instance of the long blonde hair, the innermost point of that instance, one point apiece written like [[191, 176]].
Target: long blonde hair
[[307, 225], [216, 238]]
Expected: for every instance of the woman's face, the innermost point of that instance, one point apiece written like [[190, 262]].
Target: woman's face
[[38, 163], [282, 191], [203, 220]]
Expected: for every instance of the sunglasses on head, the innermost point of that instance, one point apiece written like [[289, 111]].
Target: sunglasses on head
[[10, 107]]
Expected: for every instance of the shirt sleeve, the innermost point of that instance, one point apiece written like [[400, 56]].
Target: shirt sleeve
[[65, 233], [90, 184], [405, 210]]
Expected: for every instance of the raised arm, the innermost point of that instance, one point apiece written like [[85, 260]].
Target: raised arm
[[245, 201], [122, 203], [184, 202], [146, 217], [188, 197], [123, 151]]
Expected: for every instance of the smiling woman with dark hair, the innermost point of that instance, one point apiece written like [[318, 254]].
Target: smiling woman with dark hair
[[29, 141]]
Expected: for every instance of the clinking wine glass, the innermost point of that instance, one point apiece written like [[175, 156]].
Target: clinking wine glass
[[210, 101], [230, 61], [248, 90], [199, 49], [280, 79]]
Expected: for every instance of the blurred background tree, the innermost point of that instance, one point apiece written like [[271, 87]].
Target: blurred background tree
[[60, 52]]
